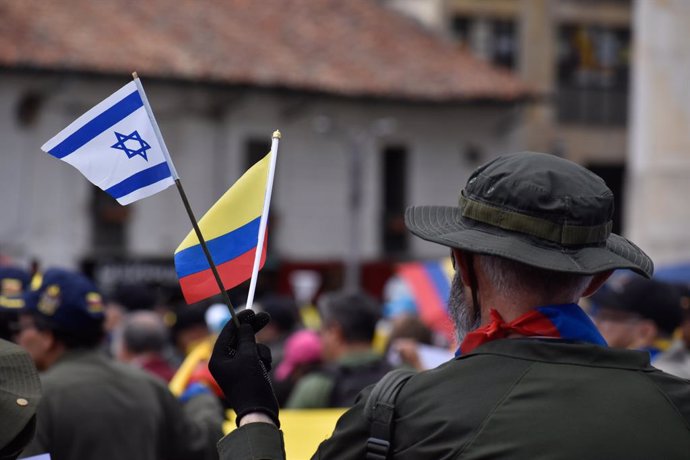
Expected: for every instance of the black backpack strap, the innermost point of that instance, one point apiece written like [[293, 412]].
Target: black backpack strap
[[379, 410]]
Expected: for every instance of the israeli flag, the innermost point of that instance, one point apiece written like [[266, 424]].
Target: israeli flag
[[115, 145]]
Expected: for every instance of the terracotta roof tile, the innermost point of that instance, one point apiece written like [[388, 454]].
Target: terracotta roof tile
[[345, 47]]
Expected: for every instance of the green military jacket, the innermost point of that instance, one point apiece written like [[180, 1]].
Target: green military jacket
[[516, 399], [313, 391], [96, 408]]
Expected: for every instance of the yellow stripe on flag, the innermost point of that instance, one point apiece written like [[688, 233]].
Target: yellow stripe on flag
[[241, 204]]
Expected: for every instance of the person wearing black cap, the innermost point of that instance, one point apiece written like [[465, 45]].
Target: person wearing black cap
[[676, 359], [93, 407], [532, 377], [638, 314]]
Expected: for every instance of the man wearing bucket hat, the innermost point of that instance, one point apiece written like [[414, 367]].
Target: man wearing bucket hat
[[20, 392], [532, 377], [92, 406]]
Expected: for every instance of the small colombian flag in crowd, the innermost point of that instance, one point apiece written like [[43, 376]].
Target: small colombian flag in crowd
[[429, 283], [231, 231]]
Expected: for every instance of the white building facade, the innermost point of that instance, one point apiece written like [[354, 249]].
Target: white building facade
[[422, 151]]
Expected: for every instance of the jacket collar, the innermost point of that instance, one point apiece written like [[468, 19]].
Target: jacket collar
[[564, 352]]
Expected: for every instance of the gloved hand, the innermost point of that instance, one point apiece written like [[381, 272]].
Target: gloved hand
[[241, 366]]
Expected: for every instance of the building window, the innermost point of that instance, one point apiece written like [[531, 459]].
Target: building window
[[614, 176], [109, 224], [255, 150], [494, 39], [593, 73], [394, 172]]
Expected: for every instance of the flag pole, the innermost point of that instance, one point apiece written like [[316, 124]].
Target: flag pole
[[183, 195], [275, 141]]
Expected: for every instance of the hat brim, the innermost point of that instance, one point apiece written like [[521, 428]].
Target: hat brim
[[446, 226]]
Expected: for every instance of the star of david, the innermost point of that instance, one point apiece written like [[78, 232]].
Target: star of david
[[121, 144]]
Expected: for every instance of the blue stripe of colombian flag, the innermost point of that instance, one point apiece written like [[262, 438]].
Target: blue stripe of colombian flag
[[97, 125], [225, 248]]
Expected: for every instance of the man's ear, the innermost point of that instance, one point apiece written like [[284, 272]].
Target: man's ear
[[647, 331], [337, 331], [460, 257], [597, 281]]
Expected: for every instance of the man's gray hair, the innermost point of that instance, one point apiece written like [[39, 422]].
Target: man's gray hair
[[143, 332], [511, 277]]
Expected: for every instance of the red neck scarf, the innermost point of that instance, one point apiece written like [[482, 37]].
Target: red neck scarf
[[532, 323]]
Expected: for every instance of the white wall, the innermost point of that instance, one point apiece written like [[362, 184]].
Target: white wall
[[46, 212], [659, 163]]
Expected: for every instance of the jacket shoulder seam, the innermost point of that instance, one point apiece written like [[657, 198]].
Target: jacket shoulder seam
[[488, 417], [669, 400]]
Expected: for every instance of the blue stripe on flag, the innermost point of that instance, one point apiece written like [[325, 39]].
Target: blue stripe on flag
[[223, 248], [440, 281], [140, 180], [573, 323], [97, 125]]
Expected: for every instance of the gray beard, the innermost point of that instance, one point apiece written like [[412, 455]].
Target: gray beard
[[462, 312]]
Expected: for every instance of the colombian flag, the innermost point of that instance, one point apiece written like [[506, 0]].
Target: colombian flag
[[430, 285], [231, 231]]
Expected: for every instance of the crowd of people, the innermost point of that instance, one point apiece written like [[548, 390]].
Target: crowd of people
[[123, 360], [530, 374]]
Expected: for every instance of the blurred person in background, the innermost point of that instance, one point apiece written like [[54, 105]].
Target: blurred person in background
[[141, 341], [20, 393], [284, 320], [638, 314], [676, 360], [13, 282], [411, 345], [348, 323], [93, 407], [303, 355], [126, 297], [194, 331], [189, 328], [532, 377]]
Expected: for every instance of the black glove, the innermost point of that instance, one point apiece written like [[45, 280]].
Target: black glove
[[240, 367]]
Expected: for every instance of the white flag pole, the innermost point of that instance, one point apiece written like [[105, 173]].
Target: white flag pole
[[264, 218], [185, 201]]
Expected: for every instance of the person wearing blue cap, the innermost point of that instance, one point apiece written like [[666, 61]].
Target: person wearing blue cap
[[92, 406], [13, 282]]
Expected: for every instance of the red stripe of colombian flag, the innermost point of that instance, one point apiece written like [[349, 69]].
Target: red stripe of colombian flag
[[231, 231], [430, 288], [197, 286]]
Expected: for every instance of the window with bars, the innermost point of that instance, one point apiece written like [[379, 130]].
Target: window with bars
[[593, 67], [394, 235], [494, 39]]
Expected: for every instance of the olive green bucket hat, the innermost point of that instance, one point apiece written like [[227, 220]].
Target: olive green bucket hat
[[20, 391], [537, 209]]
